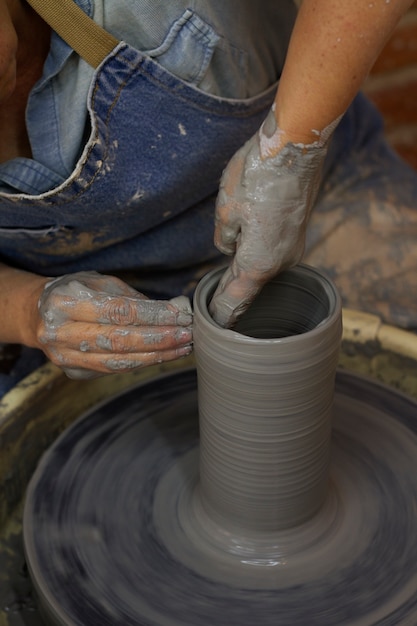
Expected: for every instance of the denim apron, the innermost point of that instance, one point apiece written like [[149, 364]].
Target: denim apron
[[140, 201]]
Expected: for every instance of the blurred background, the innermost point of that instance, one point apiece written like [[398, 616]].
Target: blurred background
[[392, 86]]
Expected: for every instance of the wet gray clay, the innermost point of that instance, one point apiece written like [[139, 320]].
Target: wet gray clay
[[265, 396], [140, 515]]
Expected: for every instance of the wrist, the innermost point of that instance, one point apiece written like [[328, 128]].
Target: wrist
[[20, 291], [273, 136]]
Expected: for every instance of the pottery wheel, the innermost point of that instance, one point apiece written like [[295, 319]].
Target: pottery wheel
[[114, 536]]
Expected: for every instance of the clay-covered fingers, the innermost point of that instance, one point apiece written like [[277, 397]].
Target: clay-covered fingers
[[235, 292], [82, 363], [104, 339], [93, 324], [228, 213], [92, 298], [113, 309], [106, 348], [262, 211], [226, 225], [86, 283]]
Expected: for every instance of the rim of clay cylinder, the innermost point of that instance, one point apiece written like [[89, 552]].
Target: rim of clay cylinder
[[207, 285]]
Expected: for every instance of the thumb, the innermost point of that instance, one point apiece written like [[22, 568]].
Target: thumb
[[235, 292]]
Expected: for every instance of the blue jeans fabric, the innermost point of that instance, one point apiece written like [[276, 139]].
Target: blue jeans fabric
[[215, 46], [141, 198]]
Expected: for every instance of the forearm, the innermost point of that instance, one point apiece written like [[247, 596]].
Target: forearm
[[333, 47], [19, 297], [270, 185]]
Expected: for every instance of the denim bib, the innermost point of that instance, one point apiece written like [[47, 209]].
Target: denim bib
[[140, 201]]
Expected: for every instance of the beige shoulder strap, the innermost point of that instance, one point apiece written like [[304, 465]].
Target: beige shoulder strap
[[87, 38]]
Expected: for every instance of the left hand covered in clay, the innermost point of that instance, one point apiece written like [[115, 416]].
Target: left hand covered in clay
[[262, 211], [92, 324]]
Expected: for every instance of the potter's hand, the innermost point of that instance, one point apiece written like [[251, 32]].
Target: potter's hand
[[261, 215], [93, 324]]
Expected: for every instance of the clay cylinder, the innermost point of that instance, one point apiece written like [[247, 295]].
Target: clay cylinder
[[265, 394]]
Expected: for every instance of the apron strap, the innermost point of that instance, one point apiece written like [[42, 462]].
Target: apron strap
[[79, 31]]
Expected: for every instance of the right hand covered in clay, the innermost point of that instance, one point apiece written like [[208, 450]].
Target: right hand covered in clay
[[265, 198], [92, 325]]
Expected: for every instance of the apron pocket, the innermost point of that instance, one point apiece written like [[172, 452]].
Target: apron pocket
[[187, 49]]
